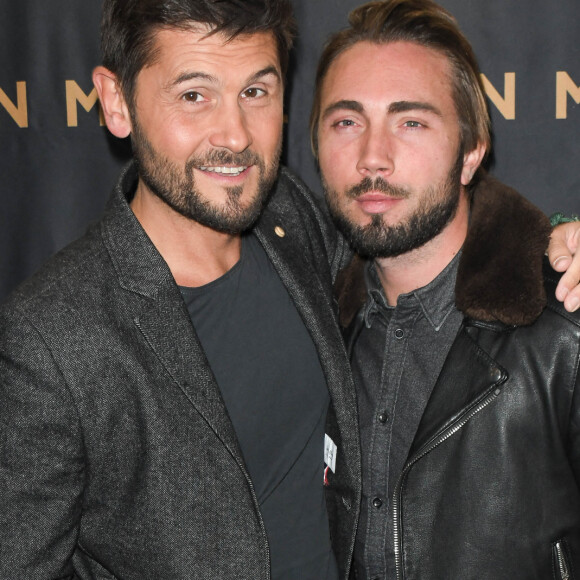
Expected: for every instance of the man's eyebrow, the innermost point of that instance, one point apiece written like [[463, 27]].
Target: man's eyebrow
[[405, 106], [190, 76], [342, 105], [268, 71]]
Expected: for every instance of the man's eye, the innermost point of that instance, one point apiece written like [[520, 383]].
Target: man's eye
[[192, 97], [344, 123], [253, 93], [413, 124]]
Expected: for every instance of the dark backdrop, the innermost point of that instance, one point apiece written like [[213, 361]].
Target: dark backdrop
[[58, 163]]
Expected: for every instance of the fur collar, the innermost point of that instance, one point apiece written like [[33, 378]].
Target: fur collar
[[499, 276]]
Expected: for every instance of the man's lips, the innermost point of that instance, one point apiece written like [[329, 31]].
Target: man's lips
[[227, 171], [377, 202]]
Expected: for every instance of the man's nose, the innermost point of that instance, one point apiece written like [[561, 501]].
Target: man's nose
[[376, 157], [230, 129]]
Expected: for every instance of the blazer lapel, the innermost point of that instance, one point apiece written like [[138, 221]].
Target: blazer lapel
[[299, 277], [316, 306], [170, 335], [164, 321]]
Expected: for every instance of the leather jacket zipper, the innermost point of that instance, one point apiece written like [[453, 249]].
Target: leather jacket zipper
[[427, 448], [561, 560]]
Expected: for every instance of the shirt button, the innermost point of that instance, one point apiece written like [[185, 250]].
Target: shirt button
[[377, 502], [399, 333], [383, 417]]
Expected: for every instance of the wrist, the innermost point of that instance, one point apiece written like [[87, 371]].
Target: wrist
[[560, 218]]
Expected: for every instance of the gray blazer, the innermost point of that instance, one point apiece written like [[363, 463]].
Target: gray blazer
[[117, 456]]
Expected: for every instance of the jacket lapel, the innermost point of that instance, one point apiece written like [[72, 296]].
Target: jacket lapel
[[169, 333], [468, 377], [164, 321], [316, 306], [297, 273]]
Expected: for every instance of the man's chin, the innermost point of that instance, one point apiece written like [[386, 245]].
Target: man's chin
[[232, 221], [233, 227]]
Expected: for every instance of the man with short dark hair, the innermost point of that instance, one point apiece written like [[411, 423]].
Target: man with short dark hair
[[467, 367], [166, 380]]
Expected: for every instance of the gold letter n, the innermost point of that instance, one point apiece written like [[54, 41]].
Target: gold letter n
[[19, 112], [505, 105]]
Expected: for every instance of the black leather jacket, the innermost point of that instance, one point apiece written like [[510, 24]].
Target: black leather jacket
[[491, 489]]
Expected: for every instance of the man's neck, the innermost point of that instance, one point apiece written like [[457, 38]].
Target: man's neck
[[195, 254], [417, 268]]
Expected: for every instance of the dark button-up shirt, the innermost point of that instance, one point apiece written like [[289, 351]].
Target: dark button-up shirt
[[412, 341]]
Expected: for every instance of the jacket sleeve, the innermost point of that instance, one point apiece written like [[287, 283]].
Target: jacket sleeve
[[41, 458]]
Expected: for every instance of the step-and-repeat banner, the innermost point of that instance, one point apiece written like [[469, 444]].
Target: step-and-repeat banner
[[58, 163]]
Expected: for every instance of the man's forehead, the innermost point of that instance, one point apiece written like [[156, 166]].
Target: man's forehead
[[201, 40], [407, 66]]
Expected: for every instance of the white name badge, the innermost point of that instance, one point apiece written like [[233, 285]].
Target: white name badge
[[330, 453]]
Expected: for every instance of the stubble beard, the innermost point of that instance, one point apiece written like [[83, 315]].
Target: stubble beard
[[177, 188], [379, 240]]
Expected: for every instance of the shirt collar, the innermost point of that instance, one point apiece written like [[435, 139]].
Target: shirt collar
[[436, 299]]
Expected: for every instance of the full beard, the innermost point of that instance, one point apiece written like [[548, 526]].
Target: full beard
[[177, 187], [379, 240]]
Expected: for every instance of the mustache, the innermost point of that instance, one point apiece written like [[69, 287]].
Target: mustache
[[378, 184], [222, 157]]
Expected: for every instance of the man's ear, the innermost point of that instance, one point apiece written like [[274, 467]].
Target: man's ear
[[113, 102], [471, 162]]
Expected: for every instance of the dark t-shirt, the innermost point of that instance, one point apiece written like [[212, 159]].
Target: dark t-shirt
[[268, 371]]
